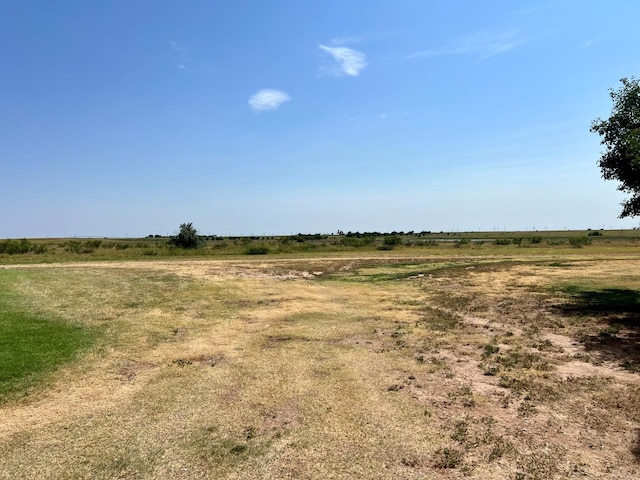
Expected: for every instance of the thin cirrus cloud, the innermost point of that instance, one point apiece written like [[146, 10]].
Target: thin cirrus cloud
[[181, 54], [347, 60], [484, 45], [267, 99]]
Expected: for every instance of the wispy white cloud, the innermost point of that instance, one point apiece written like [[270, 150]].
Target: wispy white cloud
[[176, 47], [267, 99], [347, 60], [184, 60], [181, 55], [483, 44]]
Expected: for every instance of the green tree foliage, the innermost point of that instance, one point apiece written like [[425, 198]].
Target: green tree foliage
[[621, 137], [187, 237]]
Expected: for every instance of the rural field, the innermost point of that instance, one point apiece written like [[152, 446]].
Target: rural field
[[517, 362]]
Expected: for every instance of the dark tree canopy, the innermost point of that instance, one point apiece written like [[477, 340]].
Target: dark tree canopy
[[187, 237], [621, 137]]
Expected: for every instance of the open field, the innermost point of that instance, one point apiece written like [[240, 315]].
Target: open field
[[49, 250], [476, 361]]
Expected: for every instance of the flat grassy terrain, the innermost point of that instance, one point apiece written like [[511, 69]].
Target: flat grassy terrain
[[432, 244], [454, 362], [32, 345]]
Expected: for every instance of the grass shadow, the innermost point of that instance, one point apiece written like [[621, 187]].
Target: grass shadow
[[33, 345], [617, 311], [615, 300]]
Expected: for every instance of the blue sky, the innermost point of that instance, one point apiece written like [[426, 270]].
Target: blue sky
[[253, 117]]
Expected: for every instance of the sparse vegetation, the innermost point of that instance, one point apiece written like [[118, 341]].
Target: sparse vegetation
[[404, 243], [384, 365], [14, 247], [447, 457], [580, 241]]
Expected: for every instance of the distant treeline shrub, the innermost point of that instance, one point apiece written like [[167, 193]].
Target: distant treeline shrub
[[504, 241], [303, 237], [93, 243], [425, 243], [13, 247], [357, 241], [519, 241], [392, 240], [253, 237], [579, 242], [363, 234], [75, 246]]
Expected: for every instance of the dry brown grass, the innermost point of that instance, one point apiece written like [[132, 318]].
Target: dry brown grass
[[332, 368]]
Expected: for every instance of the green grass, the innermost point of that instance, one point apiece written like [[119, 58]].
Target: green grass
[[31, 346]]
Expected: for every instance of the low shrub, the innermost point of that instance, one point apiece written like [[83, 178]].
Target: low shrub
[[579, 242], [357, 242], [93, 243], [392, 241], [13, 247], [73, 246]]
